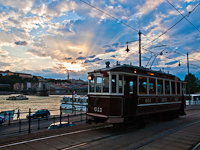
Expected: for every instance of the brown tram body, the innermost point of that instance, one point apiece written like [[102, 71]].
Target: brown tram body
[[125, 93]]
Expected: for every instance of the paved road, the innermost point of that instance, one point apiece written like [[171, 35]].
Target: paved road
[[37, 125], [182, 133]]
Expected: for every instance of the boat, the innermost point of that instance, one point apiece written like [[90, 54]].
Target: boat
[[7, 114], [18, 97], [193, 100], [77, 103]]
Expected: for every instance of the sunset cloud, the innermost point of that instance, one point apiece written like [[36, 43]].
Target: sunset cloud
[[47, 38]]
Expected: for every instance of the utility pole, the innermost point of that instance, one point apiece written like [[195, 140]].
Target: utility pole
[[139, 48], [127, 49], [188, 79]]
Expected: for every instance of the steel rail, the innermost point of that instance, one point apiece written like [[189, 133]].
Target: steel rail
[[59, 135], [160, 136], [195, 147]]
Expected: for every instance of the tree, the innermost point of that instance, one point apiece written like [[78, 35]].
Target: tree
[[194, 86]]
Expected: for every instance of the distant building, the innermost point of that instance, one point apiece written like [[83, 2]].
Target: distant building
[[40, 78], [10, 73]]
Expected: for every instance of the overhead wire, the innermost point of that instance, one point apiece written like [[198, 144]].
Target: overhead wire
[[109, 15], [183, 15], [113, 18], [172, 25], [142, 33], [165, 31]]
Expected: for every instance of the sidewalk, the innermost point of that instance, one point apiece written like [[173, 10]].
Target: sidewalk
[[192, 107]]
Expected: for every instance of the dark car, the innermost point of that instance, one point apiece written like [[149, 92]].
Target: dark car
[[39, 113], [1, 120], [57, 125]]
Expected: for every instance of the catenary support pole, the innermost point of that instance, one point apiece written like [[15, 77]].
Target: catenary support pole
[[139, 48], [188, 79]]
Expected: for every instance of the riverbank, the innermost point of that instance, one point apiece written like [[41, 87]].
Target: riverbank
[[7, 93], [51, 102]]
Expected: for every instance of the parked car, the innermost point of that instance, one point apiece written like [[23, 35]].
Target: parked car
[[39, 113], [57, 125], [1, 120]]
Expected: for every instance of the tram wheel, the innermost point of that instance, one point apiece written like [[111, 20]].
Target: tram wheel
[[89, 121], [141, 122]]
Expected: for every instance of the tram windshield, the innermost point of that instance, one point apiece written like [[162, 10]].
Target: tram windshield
[[99, 84], [106, 84]]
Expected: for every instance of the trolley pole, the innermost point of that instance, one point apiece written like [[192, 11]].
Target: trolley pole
[[188, 79], [139, 48]]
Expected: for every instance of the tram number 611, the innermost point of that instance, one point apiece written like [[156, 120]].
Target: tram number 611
[[98, 109]]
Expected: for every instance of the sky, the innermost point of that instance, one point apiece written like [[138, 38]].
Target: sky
[[50, 38]]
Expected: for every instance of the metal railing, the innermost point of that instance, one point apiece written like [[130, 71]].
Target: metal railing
[[192, 102], [29, 125]]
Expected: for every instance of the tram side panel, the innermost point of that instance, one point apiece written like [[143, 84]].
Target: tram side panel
[[119, 109], [154, 105], [146, 105], [129, 108]]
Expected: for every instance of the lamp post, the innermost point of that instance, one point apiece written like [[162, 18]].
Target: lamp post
[[188, 79], [127, 49], [139, 48]]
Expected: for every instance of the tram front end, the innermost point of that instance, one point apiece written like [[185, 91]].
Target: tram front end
[[105, 109]]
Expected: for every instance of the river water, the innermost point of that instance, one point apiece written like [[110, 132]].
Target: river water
[[52, 103]]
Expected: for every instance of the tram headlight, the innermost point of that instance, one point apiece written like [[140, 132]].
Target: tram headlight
[[90, 77]]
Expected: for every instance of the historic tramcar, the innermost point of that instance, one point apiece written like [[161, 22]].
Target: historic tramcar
[[124, 93]]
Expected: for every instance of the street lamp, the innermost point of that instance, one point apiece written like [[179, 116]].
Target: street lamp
[[127, 49]]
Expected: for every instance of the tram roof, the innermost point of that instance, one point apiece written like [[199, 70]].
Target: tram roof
[[140, 70]]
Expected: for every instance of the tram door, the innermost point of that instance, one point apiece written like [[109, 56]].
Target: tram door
[[130, 95]]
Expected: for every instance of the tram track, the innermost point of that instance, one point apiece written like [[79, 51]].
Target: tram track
[[105, 136], [165, 134], [54, 136], [162, 134]]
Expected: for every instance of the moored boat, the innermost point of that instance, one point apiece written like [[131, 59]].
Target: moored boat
[[18, 97], [77, 103]]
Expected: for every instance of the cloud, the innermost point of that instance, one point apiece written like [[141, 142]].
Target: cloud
[[94, 60], [115, 45], [24, 43], [149, 6], [80, 58], [68, 58], [92, 56], [70, 34], [106, 46], [3, 64], [110, 50], [171, 63], [113, 56]]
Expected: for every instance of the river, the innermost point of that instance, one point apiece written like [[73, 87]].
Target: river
[[52, 103]]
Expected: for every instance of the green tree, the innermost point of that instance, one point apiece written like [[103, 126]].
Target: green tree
[[193, 82]]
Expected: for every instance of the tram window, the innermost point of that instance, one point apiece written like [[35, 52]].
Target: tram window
[[178, 88], [120, 84], [173, 87], [167, 87], [130, 87], [98, 84], [92, 84], [142, 85], [160, 86], [106, 84], [152, 86], [113, 83]]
